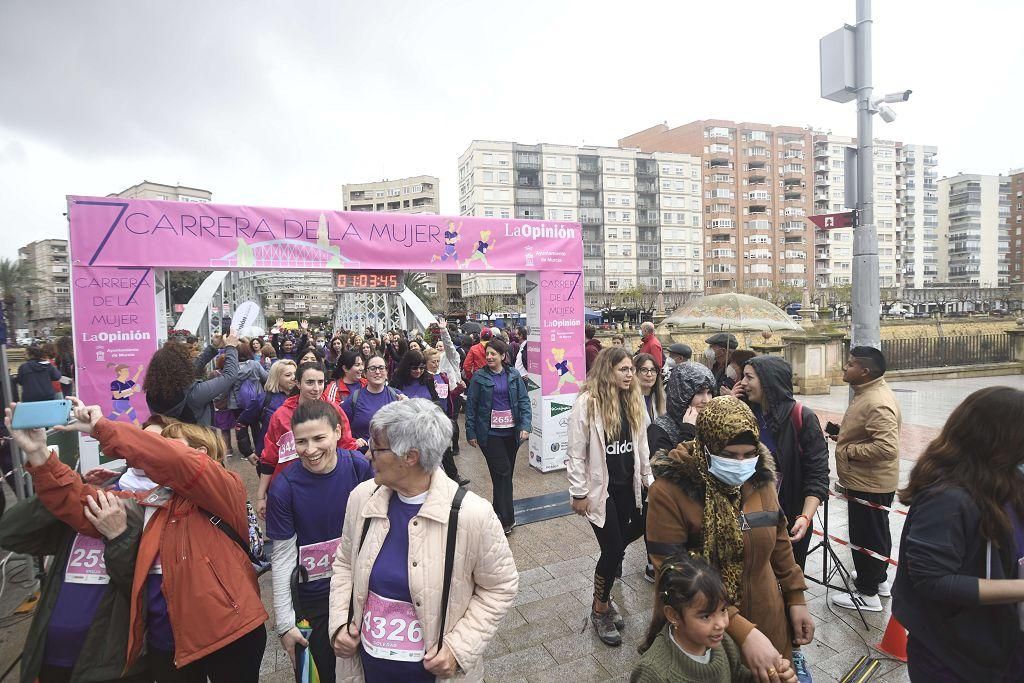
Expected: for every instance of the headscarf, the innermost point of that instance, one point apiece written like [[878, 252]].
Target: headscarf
[[723, 419], [685, 380]]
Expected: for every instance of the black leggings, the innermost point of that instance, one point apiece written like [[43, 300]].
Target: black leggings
[[236, 662], [623, 524]]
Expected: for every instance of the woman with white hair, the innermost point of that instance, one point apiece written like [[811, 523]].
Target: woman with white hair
[[424, 574]]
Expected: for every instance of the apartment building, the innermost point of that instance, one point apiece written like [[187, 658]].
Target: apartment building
[[48, 301], [640, 213], [974, 229], [833, 249], [295, 296], [173, 193], [1015, 258], [756, 183], [416, 194], [918, 198]]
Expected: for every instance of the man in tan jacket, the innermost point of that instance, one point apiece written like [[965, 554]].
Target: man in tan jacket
[[867, 462]]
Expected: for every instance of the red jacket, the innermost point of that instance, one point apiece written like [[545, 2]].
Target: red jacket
[[279, 436], [212, 594], [652, 346], [337, 391], [475, 360]]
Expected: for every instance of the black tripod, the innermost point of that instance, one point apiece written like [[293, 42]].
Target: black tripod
[[838, 566]]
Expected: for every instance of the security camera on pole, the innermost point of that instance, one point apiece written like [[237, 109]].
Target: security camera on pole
[[845, 76]]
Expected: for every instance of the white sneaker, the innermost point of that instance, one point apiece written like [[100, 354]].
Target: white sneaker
[[868, 603], [884, 588]]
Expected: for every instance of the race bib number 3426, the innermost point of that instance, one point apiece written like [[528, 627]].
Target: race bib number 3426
[[391, 630]]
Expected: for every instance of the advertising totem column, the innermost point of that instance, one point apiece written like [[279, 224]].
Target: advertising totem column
[[555, 361]]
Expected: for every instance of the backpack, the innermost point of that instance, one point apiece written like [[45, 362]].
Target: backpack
[[250, 395], [354, 396], [796, 418]]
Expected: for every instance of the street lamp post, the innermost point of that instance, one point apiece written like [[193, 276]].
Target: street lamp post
[[846, 76], [866, 294]]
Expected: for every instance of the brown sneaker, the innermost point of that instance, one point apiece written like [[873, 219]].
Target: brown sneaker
[[605, 628]]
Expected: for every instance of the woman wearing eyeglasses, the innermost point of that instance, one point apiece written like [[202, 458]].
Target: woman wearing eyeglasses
[[362, 404], [411, 377], [651, 387], [609, 468]]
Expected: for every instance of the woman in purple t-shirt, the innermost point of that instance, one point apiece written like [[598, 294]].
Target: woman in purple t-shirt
[[411, 377], [498, 420]]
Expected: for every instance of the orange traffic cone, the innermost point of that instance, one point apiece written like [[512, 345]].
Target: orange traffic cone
[[894, 641]]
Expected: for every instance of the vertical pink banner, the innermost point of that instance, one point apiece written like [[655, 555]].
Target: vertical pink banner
[[562, 362], [115, 336]]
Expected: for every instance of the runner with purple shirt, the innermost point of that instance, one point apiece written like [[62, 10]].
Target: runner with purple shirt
[[411, 378], [306, 531], [363, 404], [498, 420], [80, 625]]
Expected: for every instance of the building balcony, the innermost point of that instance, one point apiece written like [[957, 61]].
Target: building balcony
[[588, 167], [821, 196], [646, 221], [590, 184], [719, 163], [821, 151], [587, 218], [529, 196], [647, 170], [526, 161], [647, 205], [821, 180], [646, 188]]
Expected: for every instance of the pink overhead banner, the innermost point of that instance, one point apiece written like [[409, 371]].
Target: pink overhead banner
[[109, 231]]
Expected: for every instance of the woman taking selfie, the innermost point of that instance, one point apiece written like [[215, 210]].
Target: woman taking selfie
[[608, 470]]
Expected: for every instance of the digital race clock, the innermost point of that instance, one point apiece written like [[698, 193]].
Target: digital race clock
[[369, 280]]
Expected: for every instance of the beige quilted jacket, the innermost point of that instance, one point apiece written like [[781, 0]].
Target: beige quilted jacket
[[484, 579]]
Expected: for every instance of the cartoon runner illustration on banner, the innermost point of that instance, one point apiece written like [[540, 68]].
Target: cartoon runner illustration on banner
[[480, 253], [121, 390], [564, 368], [451, 237]]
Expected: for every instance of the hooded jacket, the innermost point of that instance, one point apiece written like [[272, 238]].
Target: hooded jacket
[[36, 379], [248, 370], [801, 460], [684, 382], [771, 581]]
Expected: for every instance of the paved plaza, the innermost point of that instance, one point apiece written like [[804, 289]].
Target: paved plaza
[[547, 636]]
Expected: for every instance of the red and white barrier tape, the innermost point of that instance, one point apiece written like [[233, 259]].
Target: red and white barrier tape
[[869, 553], [867, 503]]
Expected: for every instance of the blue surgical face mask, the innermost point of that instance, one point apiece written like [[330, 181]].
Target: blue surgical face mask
[[730, 471]]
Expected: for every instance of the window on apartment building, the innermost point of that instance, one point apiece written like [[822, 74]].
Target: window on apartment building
[[626, 201], [488, 213], [627, 233], [613, 215], [566, 215], [837, 163], [487, 158], [551, 179], [503, 177], [488, 176], [612, 200], [566, 180], [505, 213], [552, 214], [624, 166], [627, 216]]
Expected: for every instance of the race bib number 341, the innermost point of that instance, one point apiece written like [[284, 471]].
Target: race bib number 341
[[318, 557], [85, 563], [391, 630]]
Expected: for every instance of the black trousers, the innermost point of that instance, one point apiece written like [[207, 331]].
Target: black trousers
[[869, 528], [319, 640], [800, 547], [455, 434], [500, 454], [236, 662], [623, 524], [246, 436]]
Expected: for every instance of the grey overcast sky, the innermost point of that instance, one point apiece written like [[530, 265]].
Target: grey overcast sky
[[278, 104]]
